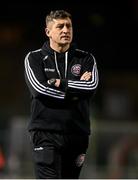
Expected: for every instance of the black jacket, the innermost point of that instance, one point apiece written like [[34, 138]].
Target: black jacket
[[64, 109]]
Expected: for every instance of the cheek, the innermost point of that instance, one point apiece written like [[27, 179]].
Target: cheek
[[54, 35]]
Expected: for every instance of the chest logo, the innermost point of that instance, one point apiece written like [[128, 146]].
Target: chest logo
[[75, 70]]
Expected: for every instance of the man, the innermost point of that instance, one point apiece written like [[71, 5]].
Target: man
[[61, 79]]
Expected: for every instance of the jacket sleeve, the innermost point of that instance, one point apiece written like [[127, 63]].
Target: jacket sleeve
[[36, 78], [83, 86]]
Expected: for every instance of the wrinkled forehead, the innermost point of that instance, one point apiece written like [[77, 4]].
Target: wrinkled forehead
[[60, 21]]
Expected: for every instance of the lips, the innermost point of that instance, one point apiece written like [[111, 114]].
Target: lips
[[65, 37]]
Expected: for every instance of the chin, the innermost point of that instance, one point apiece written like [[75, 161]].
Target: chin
[[66, 42]]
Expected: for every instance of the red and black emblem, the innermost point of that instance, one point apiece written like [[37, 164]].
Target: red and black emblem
[[76, 69]]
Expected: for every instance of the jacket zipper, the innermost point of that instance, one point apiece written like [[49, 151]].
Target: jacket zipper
[[66, 64]]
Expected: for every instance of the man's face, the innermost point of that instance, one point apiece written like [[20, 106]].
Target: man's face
[[60, 31]]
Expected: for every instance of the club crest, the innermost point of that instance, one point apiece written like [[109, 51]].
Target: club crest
[[75, 70], [80, 160]]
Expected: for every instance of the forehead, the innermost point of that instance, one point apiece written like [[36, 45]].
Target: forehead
[[60, 21]]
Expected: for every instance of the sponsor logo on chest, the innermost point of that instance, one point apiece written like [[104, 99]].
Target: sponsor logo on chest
[[49, 70]]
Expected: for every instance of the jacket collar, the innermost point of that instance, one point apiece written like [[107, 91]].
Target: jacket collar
[[47, 50]]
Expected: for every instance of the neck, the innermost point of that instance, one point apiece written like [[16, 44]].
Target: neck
[[59, 48]]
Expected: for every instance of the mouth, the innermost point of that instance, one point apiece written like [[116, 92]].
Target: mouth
[[65, 37]]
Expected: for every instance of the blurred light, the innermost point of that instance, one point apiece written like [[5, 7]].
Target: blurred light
[[10, 35], [97, 20]]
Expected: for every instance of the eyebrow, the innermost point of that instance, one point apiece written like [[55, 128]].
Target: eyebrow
[[66, 23]]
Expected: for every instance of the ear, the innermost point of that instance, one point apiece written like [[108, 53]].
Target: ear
[[47, 31]]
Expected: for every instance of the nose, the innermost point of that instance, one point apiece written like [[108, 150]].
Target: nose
[[65, 29]]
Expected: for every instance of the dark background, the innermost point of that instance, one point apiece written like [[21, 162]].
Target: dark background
[[109, 30]]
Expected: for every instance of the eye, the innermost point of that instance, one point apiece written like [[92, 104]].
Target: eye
[[68, 26], [60, 26]]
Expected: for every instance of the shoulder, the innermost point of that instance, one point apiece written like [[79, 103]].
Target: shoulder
[[33, 56], [84, 54], [34, 52], [81, 52]]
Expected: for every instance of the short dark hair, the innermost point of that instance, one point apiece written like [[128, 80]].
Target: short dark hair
[[57, 14]]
